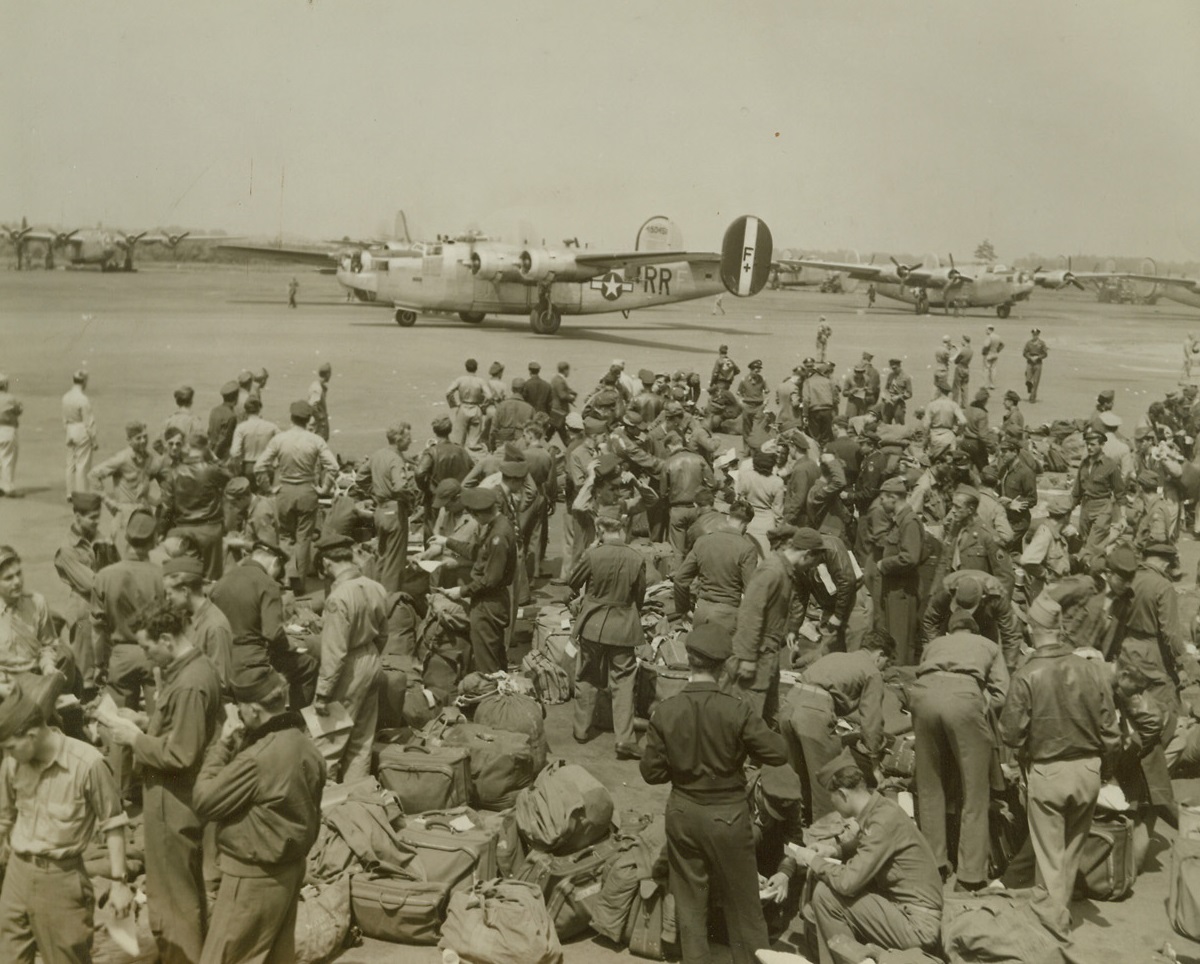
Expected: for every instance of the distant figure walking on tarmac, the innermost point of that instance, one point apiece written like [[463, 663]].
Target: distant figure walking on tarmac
[[293, 289], [870, 296], [718, 304], [824, 330]]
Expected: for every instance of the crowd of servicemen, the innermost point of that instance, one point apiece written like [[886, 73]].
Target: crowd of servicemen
[[840, 538]]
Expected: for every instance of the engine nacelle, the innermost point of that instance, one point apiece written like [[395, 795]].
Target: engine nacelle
[[491, 264], [1053, 279], [538, 265]]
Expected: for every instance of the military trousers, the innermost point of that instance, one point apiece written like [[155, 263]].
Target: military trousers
[[46, 910], [254, 918], [723, 614], [681, 518], [953, 737], [357, 689], [1033, 378], [80, 449], [871, 919], [175, 888], [1062, 798], [296, 505], [808, 722], [901, 611], [9, 449], [489, 625], [710, 847], [762, 690], [391, 529], [605, 667]]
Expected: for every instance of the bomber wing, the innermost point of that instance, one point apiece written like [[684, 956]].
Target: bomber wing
[[607, 260], [318, 259]]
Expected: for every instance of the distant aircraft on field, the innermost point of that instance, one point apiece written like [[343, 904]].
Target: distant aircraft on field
[[474, 276], [111, 250]]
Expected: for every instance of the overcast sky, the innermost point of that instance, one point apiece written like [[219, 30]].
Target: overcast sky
[[916, 126]]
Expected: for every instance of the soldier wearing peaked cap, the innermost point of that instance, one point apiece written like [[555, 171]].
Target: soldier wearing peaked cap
[[699, 741], [899, 569], [77, 563], [752, 391], [222, 421], [441, 460], [537, 391], [488, 589], [774, 799], [1034, 353], [1099, 491]]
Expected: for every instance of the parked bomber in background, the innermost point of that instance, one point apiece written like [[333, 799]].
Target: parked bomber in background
[[474, 276], [927, 284], [110, 250]]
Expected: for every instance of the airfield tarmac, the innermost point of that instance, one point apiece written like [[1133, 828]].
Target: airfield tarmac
[[142, 335]]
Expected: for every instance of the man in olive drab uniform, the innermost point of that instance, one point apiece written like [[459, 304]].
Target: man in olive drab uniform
[[1099, 491], [119, 592], [354, 630], [1035, 353], [1152, 639], [193, 503], [1151, 517], [774, 798], [187, 715], [752, 390], [836, 685], [80, 427], [260, 784], [466, 397], [47, 904], [725, 369], [833, 585], [883, 888], [684, 474], [897, 391], [208, 629], [971, 544], [717, 571], [562, 395], [992, 346], [488, 589], [1060, 715], [961, 682], [698, 741], [131, 470], [899, 565], [222, 422], [612, 578], [762, 621], [318, 393], [302, 465], [250, 597], [394, 489], [437, 462], [537, 390], [983, 597], [77, 563], [250, 438]]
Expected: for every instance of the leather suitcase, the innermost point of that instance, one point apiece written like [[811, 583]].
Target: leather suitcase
[[570, 884], [425, 778], [396, 910], [458, 857]]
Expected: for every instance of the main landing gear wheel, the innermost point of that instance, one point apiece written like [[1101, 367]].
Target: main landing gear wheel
[[472, 317], [405, 318], [545, 321], [1003, 311]]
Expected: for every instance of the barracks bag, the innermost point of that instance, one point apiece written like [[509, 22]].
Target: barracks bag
[[425, 777], [636, 858], [1106, 863], [396, 910], [565, 810], [460, 856], [1183, 898], [552, 637], [514, 712], [551, 683], [571, 884], [501, 922]]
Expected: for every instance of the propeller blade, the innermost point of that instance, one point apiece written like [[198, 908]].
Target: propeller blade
[[1075, 281]]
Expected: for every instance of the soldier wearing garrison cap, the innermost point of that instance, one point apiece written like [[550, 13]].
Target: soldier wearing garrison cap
[[393, 486], [902, 554], [1099, 491], [537, 390], [441, 460], [77, 562], [222, 421], [752, 392], [131, 470], [302, 465], [699, 741], [776, 817], [1151, 517], [488, 589]]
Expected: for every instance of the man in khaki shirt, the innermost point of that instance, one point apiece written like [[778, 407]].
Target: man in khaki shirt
[[55, 794]]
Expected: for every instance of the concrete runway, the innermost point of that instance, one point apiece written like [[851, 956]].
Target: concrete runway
[[142, 335]]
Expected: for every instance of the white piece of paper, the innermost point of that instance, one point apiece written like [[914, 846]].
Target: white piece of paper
[[571, 649], [431, 565], [122, 930], [335, 720]]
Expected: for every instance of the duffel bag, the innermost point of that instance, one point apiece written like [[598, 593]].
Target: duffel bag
[[458, 857], [400, 911], [565, 810], [502, 763], [552, 637], [1183, 897], [393, 691], [425, 777], [322, 922], [551, 682], [512, 711], [570, 884], [420, 704], [500, 922], [1106, 864], [1005, 927], [635, 859]]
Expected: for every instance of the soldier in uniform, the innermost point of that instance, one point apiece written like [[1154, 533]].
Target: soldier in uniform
[[318, 393], [183, 581], [897, 391], [833, 585], [983, 597], [187, 715], [836, 685], [77, 563], [698, 741], [1152, 639], [762, 621], [250, 438], [774, 798], [717, 570], [261, 785], [884, 887], [1035, 353], [394, 489], [612, 578], [354, 630], [184, 418], [489, 587], [1060, 715], [752, 390], [1151, 518], [684, 474], [856, 391], [193, 504], [971, 544], [132, 469], [80, 426], [1099, 491], [302, 465], [992, 346], [10, 417], [899, 564], [725, 369], [562, 396], [466, 397], [537, 390], [441, 460], [222, 422], [961, 681]]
